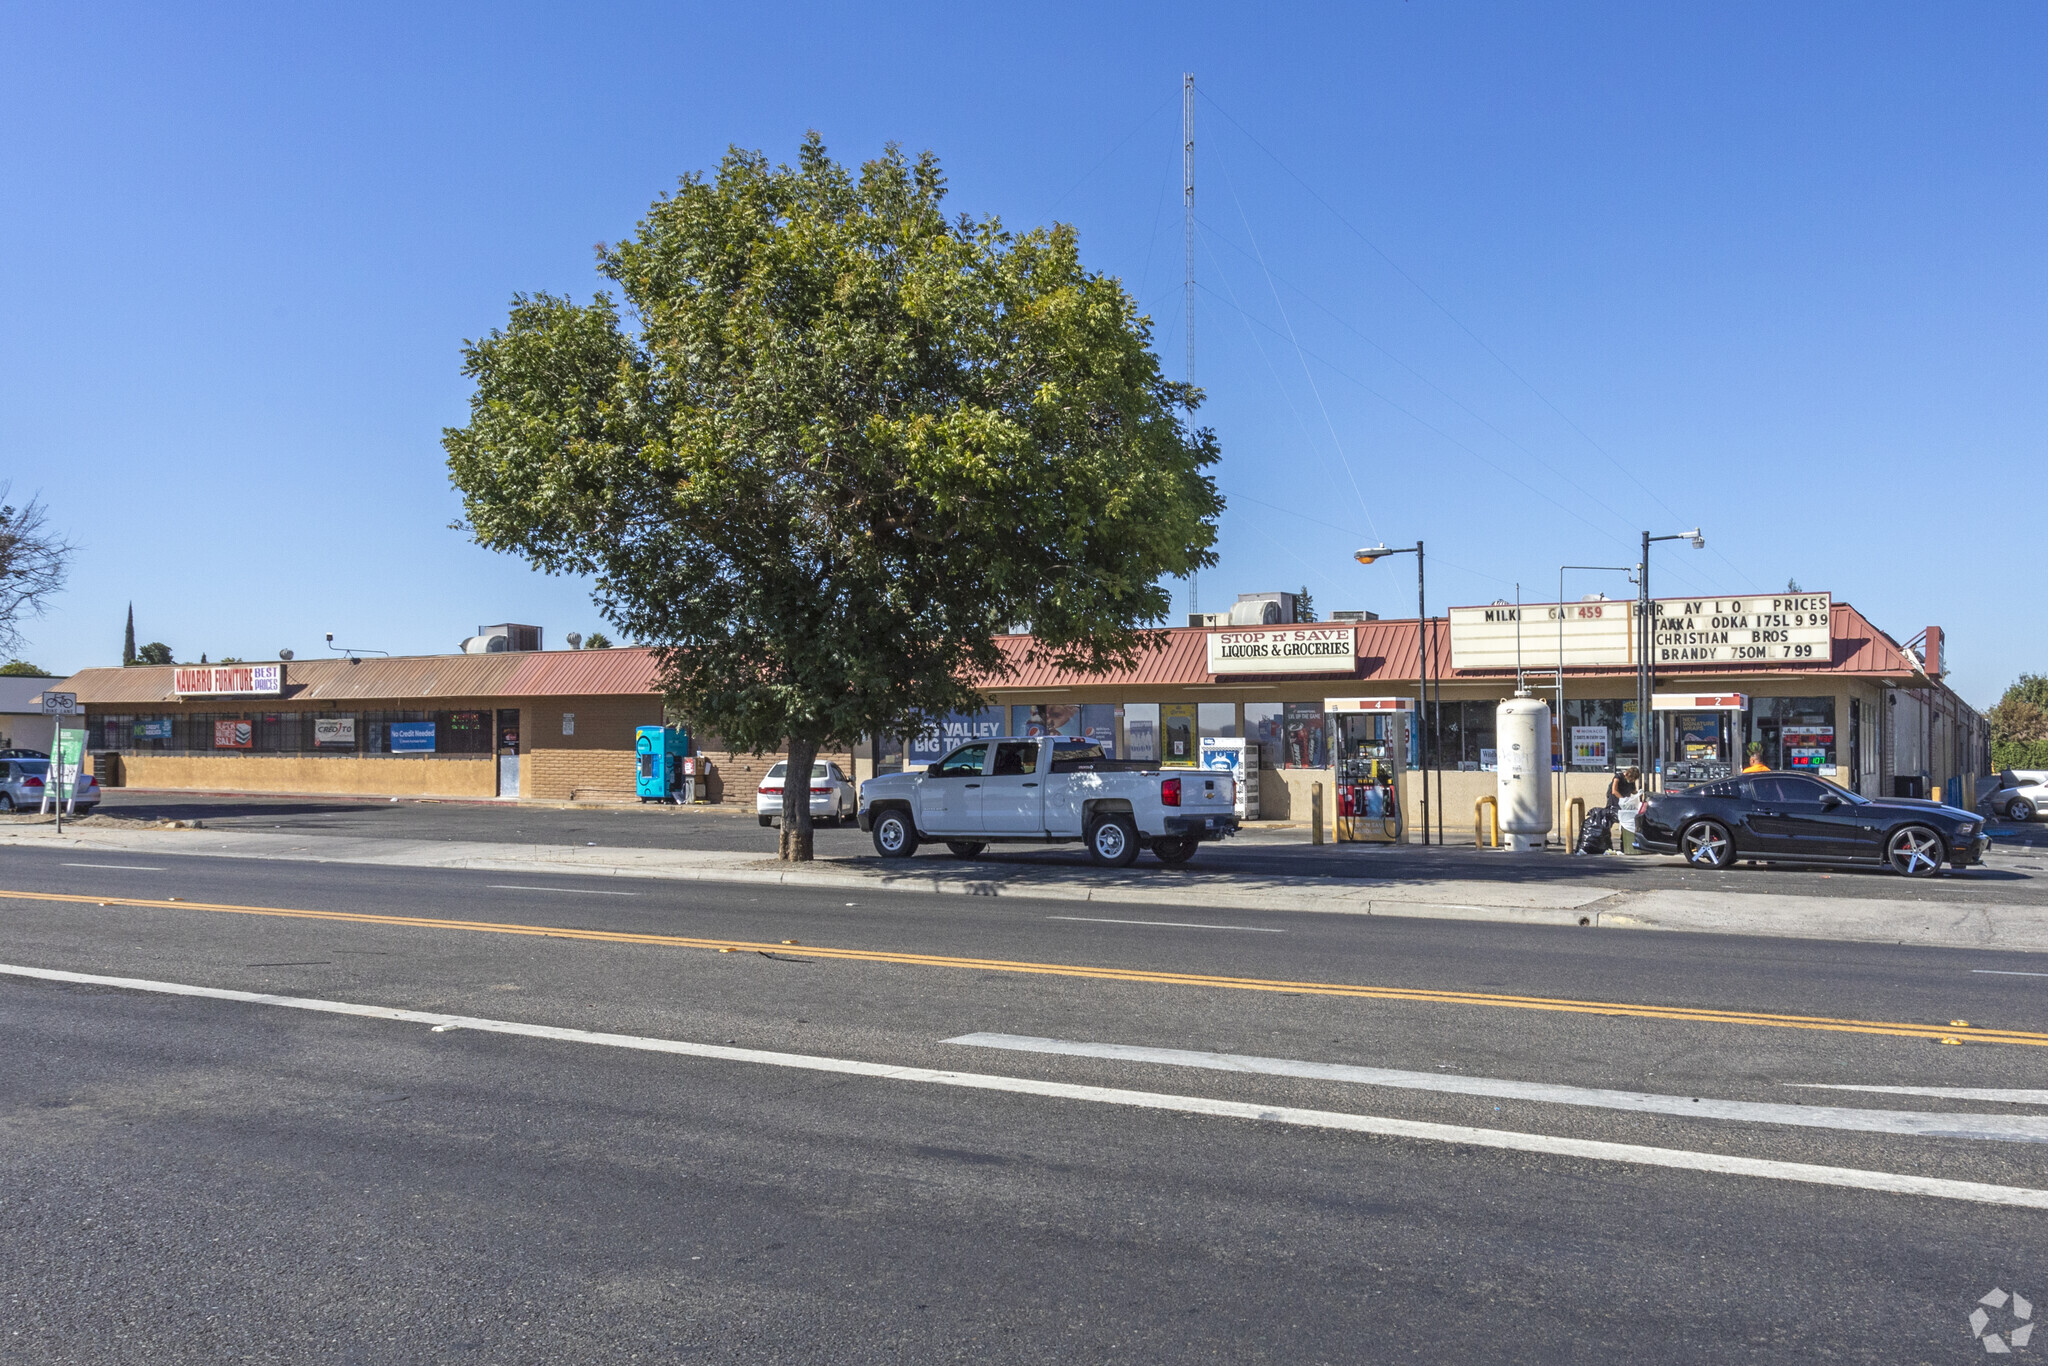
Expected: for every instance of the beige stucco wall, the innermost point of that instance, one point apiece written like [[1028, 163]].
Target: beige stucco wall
[[1284, 794], [315, 774]]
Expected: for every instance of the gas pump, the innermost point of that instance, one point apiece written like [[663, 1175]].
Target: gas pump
[[659, 755], [1369, 751]]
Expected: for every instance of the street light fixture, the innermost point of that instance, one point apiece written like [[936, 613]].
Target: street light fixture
[[1646, 643], [1424, 641]]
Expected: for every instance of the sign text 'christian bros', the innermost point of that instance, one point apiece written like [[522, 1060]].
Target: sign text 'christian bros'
[[1284, 650], [1785, 628], [230, 680]]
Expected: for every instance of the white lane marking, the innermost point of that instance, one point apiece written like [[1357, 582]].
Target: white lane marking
[[2003, 1128], [575, 891], [1853, 1178], [2010, 1095], [121, 867], [1167, 924], [2007, 972]]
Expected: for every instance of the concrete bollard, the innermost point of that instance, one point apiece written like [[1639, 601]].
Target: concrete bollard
[[1315, 812]]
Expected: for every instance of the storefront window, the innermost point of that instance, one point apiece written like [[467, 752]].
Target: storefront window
[[1217, 720], [1796, 732], [889, 754], [1141, 731], [1263, 728], [1600, 733], [1464, 735], [1304, 739]]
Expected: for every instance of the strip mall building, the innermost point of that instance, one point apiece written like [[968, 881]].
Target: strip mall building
[[1832, 694]]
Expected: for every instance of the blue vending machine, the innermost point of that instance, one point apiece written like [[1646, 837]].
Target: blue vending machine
[[658, 768]]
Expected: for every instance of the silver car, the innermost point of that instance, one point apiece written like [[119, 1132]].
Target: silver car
[[21, 786], [832, 797], [2022, 794]]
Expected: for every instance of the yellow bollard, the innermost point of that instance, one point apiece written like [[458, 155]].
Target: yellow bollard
[[1315, 808], [1478, 832], [1574, 822]]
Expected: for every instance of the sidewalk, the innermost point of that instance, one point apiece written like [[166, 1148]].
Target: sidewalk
[[1975, 922]]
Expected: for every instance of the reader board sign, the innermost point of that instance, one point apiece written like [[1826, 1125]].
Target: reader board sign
[[230, 680], [1787, 628], [330, 732], [412, 737], [1284, 650], [234, 735]]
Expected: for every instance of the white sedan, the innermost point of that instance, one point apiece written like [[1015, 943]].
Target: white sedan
[[832, 796]]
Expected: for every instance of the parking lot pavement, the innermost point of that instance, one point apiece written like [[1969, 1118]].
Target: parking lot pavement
[[2015, 873]]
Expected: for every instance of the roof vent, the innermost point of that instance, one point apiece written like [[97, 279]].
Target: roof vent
[[1354, 616]]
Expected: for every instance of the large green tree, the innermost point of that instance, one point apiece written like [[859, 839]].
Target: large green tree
[[845, 442], [2019, 724]]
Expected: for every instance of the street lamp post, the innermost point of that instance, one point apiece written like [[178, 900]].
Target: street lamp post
[[1646, 642], [1423, 643]]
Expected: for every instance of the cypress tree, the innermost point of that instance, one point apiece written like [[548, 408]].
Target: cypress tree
[[128, 640]]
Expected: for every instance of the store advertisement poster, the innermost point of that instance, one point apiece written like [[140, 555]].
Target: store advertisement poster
[[234, 735], [1098, 723], [958, 728], [334, 731], [1177, 719], [1305, 735], [159, 729], [412, 737], [1589, 746]]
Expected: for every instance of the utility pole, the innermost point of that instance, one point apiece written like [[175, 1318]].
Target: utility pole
[[1187, 203]]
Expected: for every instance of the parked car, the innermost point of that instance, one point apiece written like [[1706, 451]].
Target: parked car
[[1796, 818], [23, 754], [1044, 791], [832, 796], [21, 786], [2022, 794]]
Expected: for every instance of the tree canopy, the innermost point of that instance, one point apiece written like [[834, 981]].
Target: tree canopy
[[846, 443], [2019, 724]]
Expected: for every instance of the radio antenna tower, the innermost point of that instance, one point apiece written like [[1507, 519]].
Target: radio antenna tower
[[1187, 201]]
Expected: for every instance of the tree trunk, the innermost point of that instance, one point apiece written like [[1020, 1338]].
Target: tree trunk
[[796, 800]]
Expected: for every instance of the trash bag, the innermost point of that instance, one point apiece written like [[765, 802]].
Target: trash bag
[[1595, 835], [1627, 812]]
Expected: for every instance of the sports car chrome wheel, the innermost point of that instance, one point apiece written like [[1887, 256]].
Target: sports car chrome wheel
[[1915, 851], [1706, 844]]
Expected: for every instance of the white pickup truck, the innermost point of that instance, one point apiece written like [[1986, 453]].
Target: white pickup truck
[[1045, 791]]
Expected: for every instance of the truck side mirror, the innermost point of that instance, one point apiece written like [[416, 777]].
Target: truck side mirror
[[931, 770]]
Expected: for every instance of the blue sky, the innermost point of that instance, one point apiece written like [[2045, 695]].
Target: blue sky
[[1519, 280]]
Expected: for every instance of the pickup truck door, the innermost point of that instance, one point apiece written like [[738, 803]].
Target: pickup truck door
[[949, 798], [1013, 793]]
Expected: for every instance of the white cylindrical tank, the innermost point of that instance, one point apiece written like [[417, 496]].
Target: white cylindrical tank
[[1521, 737]]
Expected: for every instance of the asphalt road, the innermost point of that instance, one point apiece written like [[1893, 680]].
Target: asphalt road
[[189, 1178], [2017, 870]]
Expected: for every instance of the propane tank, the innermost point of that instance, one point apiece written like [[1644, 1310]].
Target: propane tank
[[1521, 737]]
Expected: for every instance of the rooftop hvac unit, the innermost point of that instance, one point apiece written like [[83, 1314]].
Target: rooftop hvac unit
[[497, 640]]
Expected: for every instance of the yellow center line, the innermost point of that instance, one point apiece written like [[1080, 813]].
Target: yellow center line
[[1566, 1005]]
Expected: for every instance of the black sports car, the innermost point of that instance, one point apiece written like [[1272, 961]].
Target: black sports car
[[1793, 818]]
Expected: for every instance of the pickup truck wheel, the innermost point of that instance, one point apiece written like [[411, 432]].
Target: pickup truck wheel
[[1113, 841], [966, 848], [1175, 851], [895, 836]]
